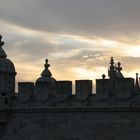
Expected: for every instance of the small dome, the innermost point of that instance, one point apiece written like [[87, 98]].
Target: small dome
[[46, 80], [6, 66]]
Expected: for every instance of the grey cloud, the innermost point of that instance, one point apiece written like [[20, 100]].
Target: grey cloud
[[130, 63], [95, 17], [89, 62], [33, 50]]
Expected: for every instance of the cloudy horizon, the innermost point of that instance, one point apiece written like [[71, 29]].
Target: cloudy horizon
[[77, 36]]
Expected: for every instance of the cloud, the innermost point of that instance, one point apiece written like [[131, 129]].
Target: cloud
[[77, 52], [91, 17], [77, 36]]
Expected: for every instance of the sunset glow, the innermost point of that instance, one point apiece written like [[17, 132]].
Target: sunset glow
[[78, 46]]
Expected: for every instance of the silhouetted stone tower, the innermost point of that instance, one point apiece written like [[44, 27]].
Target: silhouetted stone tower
[[7, 74]]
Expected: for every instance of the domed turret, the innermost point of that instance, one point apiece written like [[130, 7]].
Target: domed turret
[[45, 85], [46, 75], [7, 73]]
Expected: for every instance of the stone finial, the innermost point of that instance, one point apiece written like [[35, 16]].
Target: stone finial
[[2, 52], [137, 83], [1, 42], [46, 72], [112, 64], [112, 70], [103, 76], [119, 69], [46, 65], [111, 61], [112, 67]]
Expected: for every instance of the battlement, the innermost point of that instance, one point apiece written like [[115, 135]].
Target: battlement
[[47, 92], [63, 97]]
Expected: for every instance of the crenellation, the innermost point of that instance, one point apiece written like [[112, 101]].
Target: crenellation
[[114, 91], [63, 90], [26, 87], [83, 89], [124, 88], [102, 89]]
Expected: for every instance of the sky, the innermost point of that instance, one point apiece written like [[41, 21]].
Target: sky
[[77, 36]]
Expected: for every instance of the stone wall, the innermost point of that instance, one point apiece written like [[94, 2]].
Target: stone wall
[[73, 124]]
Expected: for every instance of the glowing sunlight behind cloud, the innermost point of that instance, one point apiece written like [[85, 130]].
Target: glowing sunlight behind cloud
[[80, 49], [133, 51]]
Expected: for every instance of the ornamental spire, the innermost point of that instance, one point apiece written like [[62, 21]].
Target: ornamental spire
[[119, 69], [111, 70], [137, 83], [2, 52], [46, 72]]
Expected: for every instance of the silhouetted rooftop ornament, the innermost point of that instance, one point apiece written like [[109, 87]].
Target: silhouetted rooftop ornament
[[137, 83], [46, 75], [119, 69], [112, 63], [103, 76], [2, 52], [46, 72], [112, 70]]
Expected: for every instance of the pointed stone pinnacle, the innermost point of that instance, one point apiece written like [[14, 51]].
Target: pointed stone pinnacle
[[1, 42], [46, 72], [2, 52]]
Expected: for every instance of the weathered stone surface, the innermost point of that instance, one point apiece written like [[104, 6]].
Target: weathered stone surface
[[26, 87], [83, 89], [73, 125]]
